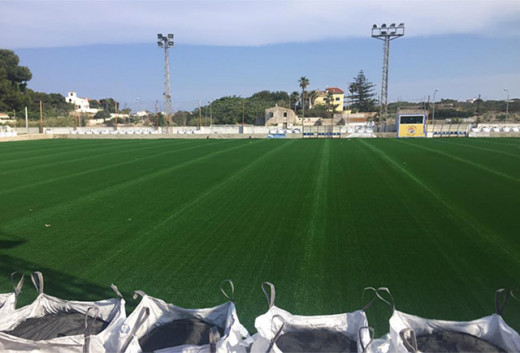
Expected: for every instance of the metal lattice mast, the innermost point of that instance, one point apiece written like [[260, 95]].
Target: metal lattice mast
[[386, 34], [166, 42]]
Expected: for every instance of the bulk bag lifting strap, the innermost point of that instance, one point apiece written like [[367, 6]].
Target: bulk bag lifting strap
[[410, 333], [157, 326], [280, 331], [8, 300], [51, 324]]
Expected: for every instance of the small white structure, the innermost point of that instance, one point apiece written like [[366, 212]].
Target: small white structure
[[81, 104], [6, 119], [142, 113], [119, 116]]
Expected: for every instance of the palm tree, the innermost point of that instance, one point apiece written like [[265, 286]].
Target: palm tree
[[312, 97], [330, 103], [295, 96], [304, 82]]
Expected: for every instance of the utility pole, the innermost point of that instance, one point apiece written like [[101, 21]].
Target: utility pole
[[41, 117], [26, 122], [386, 34], [200, 116], [166, 42], [243, 113], [427, 109], [117, 113], [433, 115], [211, 113], [507, 103], [156, 115]]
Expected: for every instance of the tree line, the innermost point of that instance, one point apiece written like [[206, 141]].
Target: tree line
[[15, 96]]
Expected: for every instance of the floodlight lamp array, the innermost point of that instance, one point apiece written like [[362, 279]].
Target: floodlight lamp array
[[165, 41], [388, 31]]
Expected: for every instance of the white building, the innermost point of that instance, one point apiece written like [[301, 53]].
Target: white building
[[81, 104]]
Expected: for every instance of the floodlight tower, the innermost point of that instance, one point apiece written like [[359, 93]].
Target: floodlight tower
[[166, 42], [386, 34]]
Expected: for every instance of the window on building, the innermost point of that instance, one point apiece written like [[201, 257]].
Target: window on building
[[271, 114], [285, 114], [337, 98]]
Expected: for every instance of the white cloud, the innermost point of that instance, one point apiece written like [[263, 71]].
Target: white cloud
[[250, 22]]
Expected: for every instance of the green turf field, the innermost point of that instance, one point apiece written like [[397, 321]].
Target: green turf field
[[436, 221]]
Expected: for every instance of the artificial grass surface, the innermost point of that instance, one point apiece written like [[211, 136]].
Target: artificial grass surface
[[436, 221]]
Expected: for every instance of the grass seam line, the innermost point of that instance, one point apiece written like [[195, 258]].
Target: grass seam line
[[113, 188], [193, 202], [82, 158], [93, 170], [459, 159], [485, 233], [492, 150]]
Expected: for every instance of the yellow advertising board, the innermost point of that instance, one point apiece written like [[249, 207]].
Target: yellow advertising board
[[411, 125], [411, 130]]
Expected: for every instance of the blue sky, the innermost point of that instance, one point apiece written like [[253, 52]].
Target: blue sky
[[108, 48]]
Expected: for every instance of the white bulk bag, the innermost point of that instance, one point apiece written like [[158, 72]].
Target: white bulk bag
[[8, 300], [405, 328], [277, 322], [153, 314], [111, 311]]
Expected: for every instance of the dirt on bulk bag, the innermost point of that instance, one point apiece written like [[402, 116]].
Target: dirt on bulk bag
[[410, 333], [8, 300], [55, 325], [315, 340], [280, 331], [155, 325], [177, 333], [452, 341], [50, 324]]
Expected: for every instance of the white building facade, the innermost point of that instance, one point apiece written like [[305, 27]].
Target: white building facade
[[81, 104]]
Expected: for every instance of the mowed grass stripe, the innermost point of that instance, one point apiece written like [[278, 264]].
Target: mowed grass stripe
[[513, 148], [37, 199], [51, 149], [246, 228], [470, 222], [439, 253], [220, 192], [373, 225], [491, 201], [136, 157], [133, 209], [115, 187], [464, 160], [88, 155], [480, 147], [231, 228], [147, 237], [509, 142], [468, 188], [19, 149], [311, 263], [506, 163], [405, 210], [141, 255]]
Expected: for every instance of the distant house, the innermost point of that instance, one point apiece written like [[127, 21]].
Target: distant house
[[280, 117], [81, 105], [142, 113], [338, 96]]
